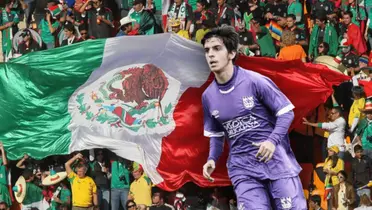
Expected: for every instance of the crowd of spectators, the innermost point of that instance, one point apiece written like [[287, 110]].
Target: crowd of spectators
[[101, 180]]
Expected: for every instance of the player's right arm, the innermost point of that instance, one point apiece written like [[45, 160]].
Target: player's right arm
[[213, 130]]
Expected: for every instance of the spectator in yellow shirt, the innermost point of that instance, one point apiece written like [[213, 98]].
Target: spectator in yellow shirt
[[355, 115], [84, 190], [140, 189], [176, 28], [207, 26], [332, 165]]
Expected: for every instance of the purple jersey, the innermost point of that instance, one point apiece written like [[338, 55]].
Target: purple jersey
[[245, 110]]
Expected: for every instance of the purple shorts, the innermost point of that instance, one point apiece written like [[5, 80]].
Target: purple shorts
[[281, 194]]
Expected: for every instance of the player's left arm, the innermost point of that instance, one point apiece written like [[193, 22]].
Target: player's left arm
[[270, 95], [280, 106]]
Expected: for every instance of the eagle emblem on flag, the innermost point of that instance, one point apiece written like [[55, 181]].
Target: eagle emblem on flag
[[137, 98]]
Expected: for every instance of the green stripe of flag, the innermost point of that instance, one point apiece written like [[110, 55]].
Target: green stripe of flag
[[34, 93]]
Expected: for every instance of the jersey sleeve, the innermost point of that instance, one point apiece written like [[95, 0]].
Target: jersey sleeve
[[211, 125], [272, 97]]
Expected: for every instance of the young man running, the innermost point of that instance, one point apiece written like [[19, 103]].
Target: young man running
[[254, 115]]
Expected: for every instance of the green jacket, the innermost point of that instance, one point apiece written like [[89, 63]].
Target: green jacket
[[362, 125], [146, 21], [330, 36]]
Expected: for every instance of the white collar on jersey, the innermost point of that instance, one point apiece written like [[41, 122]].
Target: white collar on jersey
[[227, 91]]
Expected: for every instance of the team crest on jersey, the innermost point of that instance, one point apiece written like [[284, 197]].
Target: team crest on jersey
[[248, 102], [241, 206], [286, 202]]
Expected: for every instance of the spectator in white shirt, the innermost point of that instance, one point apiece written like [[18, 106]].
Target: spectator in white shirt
[[69, 31], [336, 129]]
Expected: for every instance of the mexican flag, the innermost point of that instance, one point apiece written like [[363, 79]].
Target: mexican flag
[[138, 96]]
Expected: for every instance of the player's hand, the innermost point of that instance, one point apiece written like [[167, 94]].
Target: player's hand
[[208, 169], [266, 150]]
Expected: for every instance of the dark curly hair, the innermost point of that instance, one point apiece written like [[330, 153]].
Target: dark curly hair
[[227, 34]]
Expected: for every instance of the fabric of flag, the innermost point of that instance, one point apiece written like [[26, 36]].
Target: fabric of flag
[[367, 85], [143, 104], [247, 20], [55, 10], [275, 29], [328, 192], [164, 11]]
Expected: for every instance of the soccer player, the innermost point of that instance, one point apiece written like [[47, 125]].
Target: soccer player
[[251, 112]]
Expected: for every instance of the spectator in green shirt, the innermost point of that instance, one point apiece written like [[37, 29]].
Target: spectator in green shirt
[[48, 29], [264, 39], [295, 8], [120, 182], [364, 129], [8, 26], [4, 193], [63, 199]]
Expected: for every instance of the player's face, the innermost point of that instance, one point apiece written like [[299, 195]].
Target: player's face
[[217, 55]]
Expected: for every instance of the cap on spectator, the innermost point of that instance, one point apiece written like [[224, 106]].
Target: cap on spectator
[[126, 20], [175, 22], [135, 2], [54, 178], [19, 189], [345, 43], [334, 149], [368, 106], [25, 32], [137, 166], [364, 59]]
